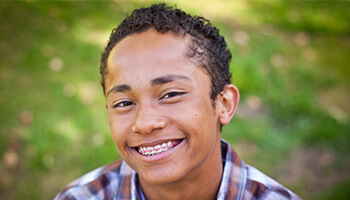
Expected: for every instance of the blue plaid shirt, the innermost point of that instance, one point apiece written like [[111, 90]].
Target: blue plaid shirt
[[118, 181]]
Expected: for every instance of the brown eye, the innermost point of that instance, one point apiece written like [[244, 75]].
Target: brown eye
[[123, 104], [172, 94]]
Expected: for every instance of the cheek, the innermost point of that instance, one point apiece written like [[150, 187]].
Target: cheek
[[205, 121], [195, 118], [119, 130]]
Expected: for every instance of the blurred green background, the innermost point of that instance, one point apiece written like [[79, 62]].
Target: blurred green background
[[290, 61]]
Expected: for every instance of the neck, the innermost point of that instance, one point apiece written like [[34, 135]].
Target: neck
[[201, 183]]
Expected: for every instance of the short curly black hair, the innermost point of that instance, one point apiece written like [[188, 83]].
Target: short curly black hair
[[207, 47]]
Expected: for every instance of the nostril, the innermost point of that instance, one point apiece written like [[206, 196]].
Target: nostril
[[148, 125]]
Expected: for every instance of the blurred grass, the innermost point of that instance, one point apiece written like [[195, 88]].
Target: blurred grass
[[290, 62]]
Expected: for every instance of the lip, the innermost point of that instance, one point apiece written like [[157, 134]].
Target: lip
[[159, 157], [154, 143]]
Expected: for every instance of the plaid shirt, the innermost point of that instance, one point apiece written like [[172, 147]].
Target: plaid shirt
[[118, 181]]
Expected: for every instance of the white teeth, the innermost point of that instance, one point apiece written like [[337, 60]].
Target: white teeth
[[169, 144], [150, 151]]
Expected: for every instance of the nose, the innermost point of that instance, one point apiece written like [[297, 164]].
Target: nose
[[147, 120]]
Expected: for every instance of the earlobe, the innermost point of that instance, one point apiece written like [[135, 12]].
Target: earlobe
[[229, 100]]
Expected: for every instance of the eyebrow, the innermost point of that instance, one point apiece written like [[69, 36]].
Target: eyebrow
[[119, 88], [154, 82], [166, 79]]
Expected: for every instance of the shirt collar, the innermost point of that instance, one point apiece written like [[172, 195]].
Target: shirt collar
[[234, 175], [136, 191]]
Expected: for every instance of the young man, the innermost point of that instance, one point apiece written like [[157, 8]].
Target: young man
[[166, 79]]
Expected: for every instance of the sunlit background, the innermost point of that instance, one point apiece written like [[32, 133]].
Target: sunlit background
[[290, 61]]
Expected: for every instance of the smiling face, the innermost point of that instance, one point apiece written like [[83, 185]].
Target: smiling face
[[160, 112]]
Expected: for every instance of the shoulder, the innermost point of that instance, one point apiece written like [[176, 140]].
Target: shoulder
[[100, 183], [242, 181], [260, 186]]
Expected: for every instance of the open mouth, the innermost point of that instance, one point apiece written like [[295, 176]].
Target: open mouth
[[160, 148]]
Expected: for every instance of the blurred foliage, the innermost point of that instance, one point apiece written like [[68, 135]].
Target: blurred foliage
[[340, 192], [320, 17], [290, 62]]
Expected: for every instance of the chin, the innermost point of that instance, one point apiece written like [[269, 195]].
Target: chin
[[161, 178]]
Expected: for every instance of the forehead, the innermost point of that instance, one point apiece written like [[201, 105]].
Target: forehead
[[148, 54], [149, 42]]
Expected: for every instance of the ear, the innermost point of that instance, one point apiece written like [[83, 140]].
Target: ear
[[228, 100]]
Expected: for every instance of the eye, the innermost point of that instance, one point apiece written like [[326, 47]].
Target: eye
[[172, 94], [123, 104]]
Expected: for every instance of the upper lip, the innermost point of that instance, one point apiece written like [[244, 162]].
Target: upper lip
[[153, 143]]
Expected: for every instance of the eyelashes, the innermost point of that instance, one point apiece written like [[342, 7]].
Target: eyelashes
[[168, 96], [172, 94], [123, 104]]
